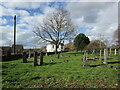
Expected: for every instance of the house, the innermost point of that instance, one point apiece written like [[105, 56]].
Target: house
[[51, 47], [19, 48], [4, 50]]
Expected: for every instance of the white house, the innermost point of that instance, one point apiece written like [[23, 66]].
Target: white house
[[51, 47]]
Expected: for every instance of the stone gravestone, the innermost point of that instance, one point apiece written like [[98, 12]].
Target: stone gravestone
[[110, 52], [105, 56], [106, 51], [119, 52], [115, 52], [46, 54], [58, 55], [85, 60], [100, 54], [35, 59], [93, 52], [41, 58], [24, 57], [29, 54], [8, 55]]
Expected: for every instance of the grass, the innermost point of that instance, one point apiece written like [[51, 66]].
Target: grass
[[58, 73]]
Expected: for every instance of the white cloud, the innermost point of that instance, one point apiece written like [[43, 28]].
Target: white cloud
[[3, 21], [11, 12], [22, 5], [101, 17]]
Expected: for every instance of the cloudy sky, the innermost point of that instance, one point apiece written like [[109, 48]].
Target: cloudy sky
[[92, 19]]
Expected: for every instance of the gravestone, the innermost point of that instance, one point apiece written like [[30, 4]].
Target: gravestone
[[24, 57], [93, 52], [41, 58], [35, 59], [58, 55], [29, 54], [119, 52], [85, 60], [100, 54], [110, 52], [105, 56], [46, 54], [115, 52], [106, 52], [8, 55]]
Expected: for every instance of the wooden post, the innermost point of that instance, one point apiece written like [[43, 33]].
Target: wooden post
[[41, 58], [24, 57], [35, 59]]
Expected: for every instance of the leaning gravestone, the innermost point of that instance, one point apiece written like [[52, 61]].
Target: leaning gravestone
[[41, 58], [35, 59], [24, 57]]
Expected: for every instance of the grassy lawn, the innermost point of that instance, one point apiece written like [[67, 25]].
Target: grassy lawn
[[58, 73]]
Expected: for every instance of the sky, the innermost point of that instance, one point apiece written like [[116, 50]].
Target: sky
[[92, 18]]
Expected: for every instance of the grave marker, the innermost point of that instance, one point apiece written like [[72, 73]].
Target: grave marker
[[35, 59], [24, 57], [105, 56], [110, 52], [29, 54], [41, 58], [115, 52], [100, 54]]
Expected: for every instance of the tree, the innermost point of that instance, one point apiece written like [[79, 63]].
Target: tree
[[96, 44], [56, 28], [69, 46], [81, 41]]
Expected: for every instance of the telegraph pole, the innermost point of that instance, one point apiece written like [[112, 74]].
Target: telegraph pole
[[14, 34]]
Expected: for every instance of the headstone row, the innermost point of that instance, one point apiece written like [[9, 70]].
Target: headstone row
[[35, 58]]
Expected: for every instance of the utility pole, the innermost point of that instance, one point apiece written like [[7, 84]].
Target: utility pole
[[14, 34]]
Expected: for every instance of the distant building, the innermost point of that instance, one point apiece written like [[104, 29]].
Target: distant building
[[4, 50], [18, 48], [51, 47]]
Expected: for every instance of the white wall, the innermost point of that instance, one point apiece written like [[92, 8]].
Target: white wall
[[51, 48]]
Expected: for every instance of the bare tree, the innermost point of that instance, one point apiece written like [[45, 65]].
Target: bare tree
[[56, 28]]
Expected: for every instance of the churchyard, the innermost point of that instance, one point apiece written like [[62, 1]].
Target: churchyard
[[71, 70]]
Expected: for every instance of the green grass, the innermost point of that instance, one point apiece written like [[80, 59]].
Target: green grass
[[59, 74]]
